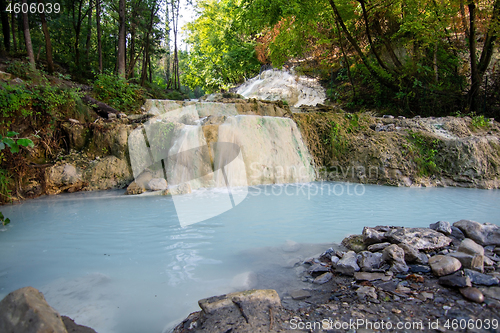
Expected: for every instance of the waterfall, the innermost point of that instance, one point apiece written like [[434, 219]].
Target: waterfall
[[274, 85], [239, 151]]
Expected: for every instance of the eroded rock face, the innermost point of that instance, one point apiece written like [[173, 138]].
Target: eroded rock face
[[107, 173], [419, 238], [483, 234], [26, 311]]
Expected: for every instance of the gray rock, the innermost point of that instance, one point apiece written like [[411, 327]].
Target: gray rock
[[420, 238], [442, 227], [444, 265], [395, 256], [372, 236], [378, 247], [483, 234], [184, 188], [471, 247], [323, 278], [369, 261], [491, 292], [482, 279], [457, 233], [157, 184], [412, 255], [455, 280], [299, 294], [366, 276], [348, 264], [335, 261], [366, 291], [26, 311], [317, 269], [419, 268], [475, 262], [472, 294]]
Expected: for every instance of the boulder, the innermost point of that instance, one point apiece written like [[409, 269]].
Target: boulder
[[444, 265], [372, 236], [457, 233], [442, 227], [475, 262], [107, 173], [62, 178], [369, 261], [482, 279], [470, 247], [483, 234], [395, 256], [299, 294], [354, 243], [348, 264], [157, 184], [419, 238], [26, 311], [366, 276]]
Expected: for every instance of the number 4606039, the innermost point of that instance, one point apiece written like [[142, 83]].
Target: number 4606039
[[33, 8]]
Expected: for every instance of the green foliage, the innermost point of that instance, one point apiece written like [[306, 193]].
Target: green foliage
[[11, 141], [4, 220], [221, 55], [118, 93], [22, 70], [14, 99], [479, 121], [424, 151], [5, 181]]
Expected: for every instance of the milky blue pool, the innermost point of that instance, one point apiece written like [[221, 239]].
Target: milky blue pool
[[123, 264]]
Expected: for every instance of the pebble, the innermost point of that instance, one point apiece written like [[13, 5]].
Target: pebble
[[419, 268], [366, 276], [472, 294], [470, 247], [378, 247], [442, 227], [366, 291]]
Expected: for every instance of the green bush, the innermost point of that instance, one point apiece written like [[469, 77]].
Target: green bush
[[118, 93], [22, 70]]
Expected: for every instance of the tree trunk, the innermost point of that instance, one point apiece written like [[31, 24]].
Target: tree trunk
[[98, 21], [146, 57], [89, 36], [13, 27], [27, 38], [77, 25], [474, 74], [121, 40], [4, 16], [490, 39], [48, 44], [360, 53]]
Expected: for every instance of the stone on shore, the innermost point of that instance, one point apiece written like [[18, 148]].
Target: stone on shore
[[366, 291], [323, 278], [378, 247], [483, 234], [354, 243], [395, 256], [157, 184], [366, 276], [412, 255], [442, 227], [26, 311], [455, 280], [372, 236], [369, 261], [348, 264], [480, 278], [475, 262], [470, 247], [472, 294], [299, 294], [420, 238], [444, 265]]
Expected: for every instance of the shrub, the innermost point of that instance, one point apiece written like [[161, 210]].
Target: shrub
[[118, 93]]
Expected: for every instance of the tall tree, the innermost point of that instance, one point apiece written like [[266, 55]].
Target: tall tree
[[89, 35], [5, 25], [174, 82], [13, 27], [48, 44], [99, 33], [146, 62], [27, 38], [121, 39]]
